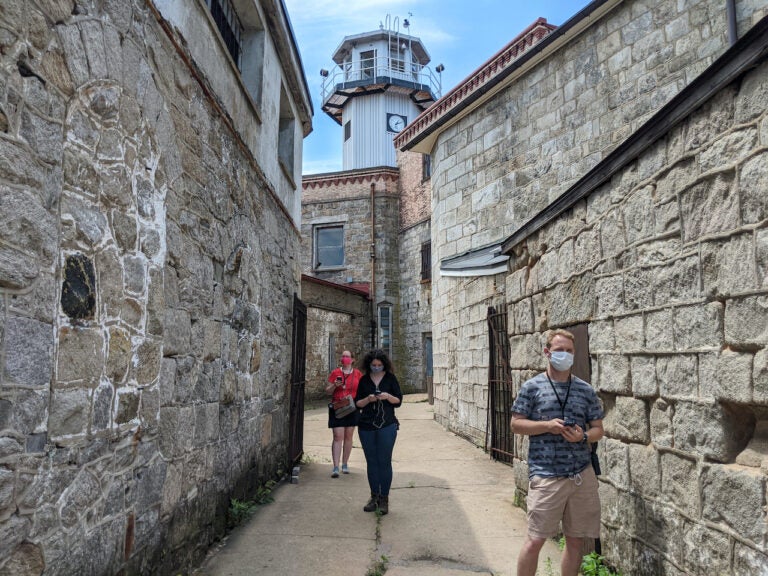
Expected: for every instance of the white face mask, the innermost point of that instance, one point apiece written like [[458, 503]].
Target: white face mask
[[561, 360]]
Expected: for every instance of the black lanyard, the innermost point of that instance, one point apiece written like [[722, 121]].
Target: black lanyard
[[567, 394]]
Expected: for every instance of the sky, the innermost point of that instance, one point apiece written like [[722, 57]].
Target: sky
[[460, 34]]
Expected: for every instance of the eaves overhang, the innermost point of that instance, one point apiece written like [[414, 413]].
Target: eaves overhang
[[483, 84], [485, 261]]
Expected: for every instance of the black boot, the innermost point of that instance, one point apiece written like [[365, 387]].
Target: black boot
[[373, 503], [383, 505]]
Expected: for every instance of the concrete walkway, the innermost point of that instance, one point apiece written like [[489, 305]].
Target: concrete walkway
[[451, 513]]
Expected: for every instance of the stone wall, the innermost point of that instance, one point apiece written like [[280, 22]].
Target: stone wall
[[507, 158], [334, 312], [345, 198], [667, 265], [147, 272], [415, 295], [415, 308]]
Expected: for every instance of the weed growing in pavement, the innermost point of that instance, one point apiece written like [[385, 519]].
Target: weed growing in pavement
[[239, 510], [593, 565], [379, 567], [548, 569]]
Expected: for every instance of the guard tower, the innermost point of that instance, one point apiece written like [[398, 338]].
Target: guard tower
[[380, 83]]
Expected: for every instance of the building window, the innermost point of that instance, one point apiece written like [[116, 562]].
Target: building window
[[285, 139], [252, 61], [426, 167], [426, 261], [329, 246], [385, 327], [229, 27], [347, 130], [367, 64]]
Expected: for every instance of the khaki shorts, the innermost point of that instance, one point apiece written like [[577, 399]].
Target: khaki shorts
[[574, 500]]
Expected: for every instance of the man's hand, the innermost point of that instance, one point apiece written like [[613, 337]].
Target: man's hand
[[571, 433]]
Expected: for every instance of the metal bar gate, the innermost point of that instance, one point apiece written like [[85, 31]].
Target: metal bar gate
[[298, 381], [500, 389]]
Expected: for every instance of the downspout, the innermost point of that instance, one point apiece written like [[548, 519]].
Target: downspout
[[731, 10], [373, 265]]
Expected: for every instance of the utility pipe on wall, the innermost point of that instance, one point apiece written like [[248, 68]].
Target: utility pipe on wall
[[373, 265]]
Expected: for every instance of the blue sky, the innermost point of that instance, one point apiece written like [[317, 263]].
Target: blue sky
[[460, 34]]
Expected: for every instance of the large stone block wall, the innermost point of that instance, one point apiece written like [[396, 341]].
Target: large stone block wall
[[415, 307], [146, 280], [506, 160], [667, 265]]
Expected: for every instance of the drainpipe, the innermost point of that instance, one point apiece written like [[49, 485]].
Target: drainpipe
[[373, 265], [731, 10]]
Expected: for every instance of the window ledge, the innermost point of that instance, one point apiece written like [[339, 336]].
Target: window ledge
[[329, 268]]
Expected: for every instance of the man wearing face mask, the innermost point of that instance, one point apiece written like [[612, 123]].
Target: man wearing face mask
[[562, 415]]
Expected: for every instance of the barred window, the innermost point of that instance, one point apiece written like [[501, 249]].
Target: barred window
[[426, 261], [229, 26]]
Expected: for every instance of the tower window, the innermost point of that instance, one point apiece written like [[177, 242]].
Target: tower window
[[229, 26], [367, 64], [396, 56], [347, 130], [329, 246]]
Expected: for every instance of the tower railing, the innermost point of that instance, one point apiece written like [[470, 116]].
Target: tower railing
[[378, 70]]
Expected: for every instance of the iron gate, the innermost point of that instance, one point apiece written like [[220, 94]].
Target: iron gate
[[298, 381], [500, 391]]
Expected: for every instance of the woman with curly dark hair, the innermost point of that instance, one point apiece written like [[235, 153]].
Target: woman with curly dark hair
[[378, 394]]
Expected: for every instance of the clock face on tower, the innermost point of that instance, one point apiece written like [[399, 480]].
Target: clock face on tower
[[396, 122]]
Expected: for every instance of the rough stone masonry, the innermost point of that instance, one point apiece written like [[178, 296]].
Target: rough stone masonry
[[146, 284]]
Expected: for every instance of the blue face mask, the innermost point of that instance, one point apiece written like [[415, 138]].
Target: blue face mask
[[561, 360], [376, 369]]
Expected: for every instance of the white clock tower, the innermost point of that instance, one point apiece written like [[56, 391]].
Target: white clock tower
[[379, 84]]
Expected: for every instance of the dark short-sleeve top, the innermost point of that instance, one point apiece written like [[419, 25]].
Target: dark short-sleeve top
[[378, 415], [551, 455]]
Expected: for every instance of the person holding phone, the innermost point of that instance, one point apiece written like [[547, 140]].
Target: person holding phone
[[342, 381], [377, 397], [554, 408]]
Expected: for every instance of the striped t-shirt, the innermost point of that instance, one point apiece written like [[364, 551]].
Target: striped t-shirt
[[551, 454]]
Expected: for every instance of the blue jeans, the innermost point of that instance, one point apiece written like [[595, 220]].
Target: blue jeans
[[378, 446]]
